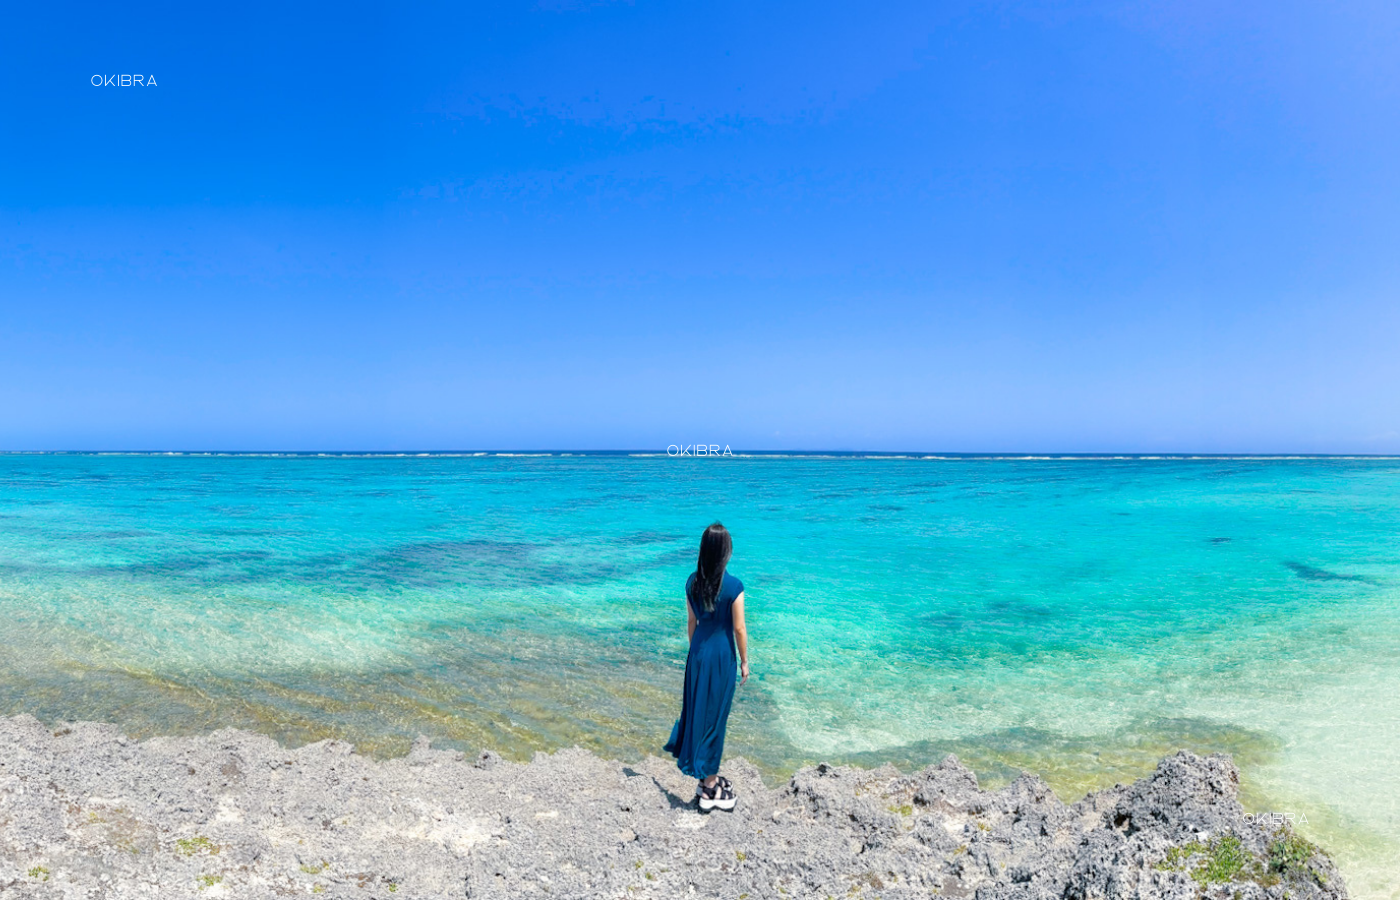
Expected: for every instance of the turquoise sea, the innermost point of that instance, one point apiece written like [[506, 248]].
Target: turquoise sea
[[1077, 617]]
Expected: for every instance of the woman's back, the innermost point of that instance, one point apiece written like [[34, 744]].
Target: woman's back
[[719, 620]]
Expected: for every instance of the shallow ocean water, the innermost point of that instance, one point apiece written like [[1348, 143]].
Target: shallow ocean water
[[1078, 618]]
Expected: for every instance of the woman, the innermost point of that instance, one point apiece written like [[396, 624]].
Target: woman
[[714, 602]]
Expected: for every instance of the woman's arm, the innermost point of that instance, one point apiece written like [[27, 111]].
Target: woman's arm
[[690, 621], [741, 637]]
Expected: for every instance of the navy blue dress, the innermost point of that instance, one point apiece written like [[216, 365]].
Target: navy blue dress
[[711, 668]]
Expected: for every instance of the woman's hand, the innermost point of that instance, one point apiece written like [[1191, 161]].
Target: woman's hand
[[743, 672]]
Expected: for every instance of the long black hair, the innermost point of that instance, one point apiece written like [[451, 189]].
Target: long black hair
[[715, 548]]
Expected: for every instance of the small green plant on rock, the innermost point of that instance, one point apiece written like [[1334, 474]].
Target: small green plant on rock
[[393, 887], [1290, 855], [1225, 859], [1177, 857], [191, 846], [40, 873], [208, 881], [316, 869]]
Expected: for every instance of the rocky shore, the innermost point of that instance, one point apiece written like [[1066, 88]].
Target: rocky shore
[[86, 812]]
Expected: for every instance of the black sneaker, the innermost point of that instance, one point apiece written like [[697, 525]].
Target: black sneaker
[[721, 796]]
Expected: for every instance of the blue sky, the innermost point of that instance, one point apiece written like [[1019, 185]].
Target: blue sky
[[964, 227]]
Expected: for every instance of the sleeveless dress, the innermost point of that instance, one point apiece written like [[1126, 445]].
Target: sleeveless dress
[[711, 668]]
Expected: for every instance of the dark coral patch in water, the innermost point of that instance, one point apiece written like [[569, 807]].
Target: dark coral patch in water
[[1312, 573]]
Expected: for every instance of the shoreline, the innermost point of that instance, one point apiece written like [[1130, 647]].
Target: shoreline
[[85, 811]]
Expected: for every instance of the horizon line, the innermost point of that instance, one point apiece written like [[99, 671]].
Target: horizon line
[[647, 452]]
